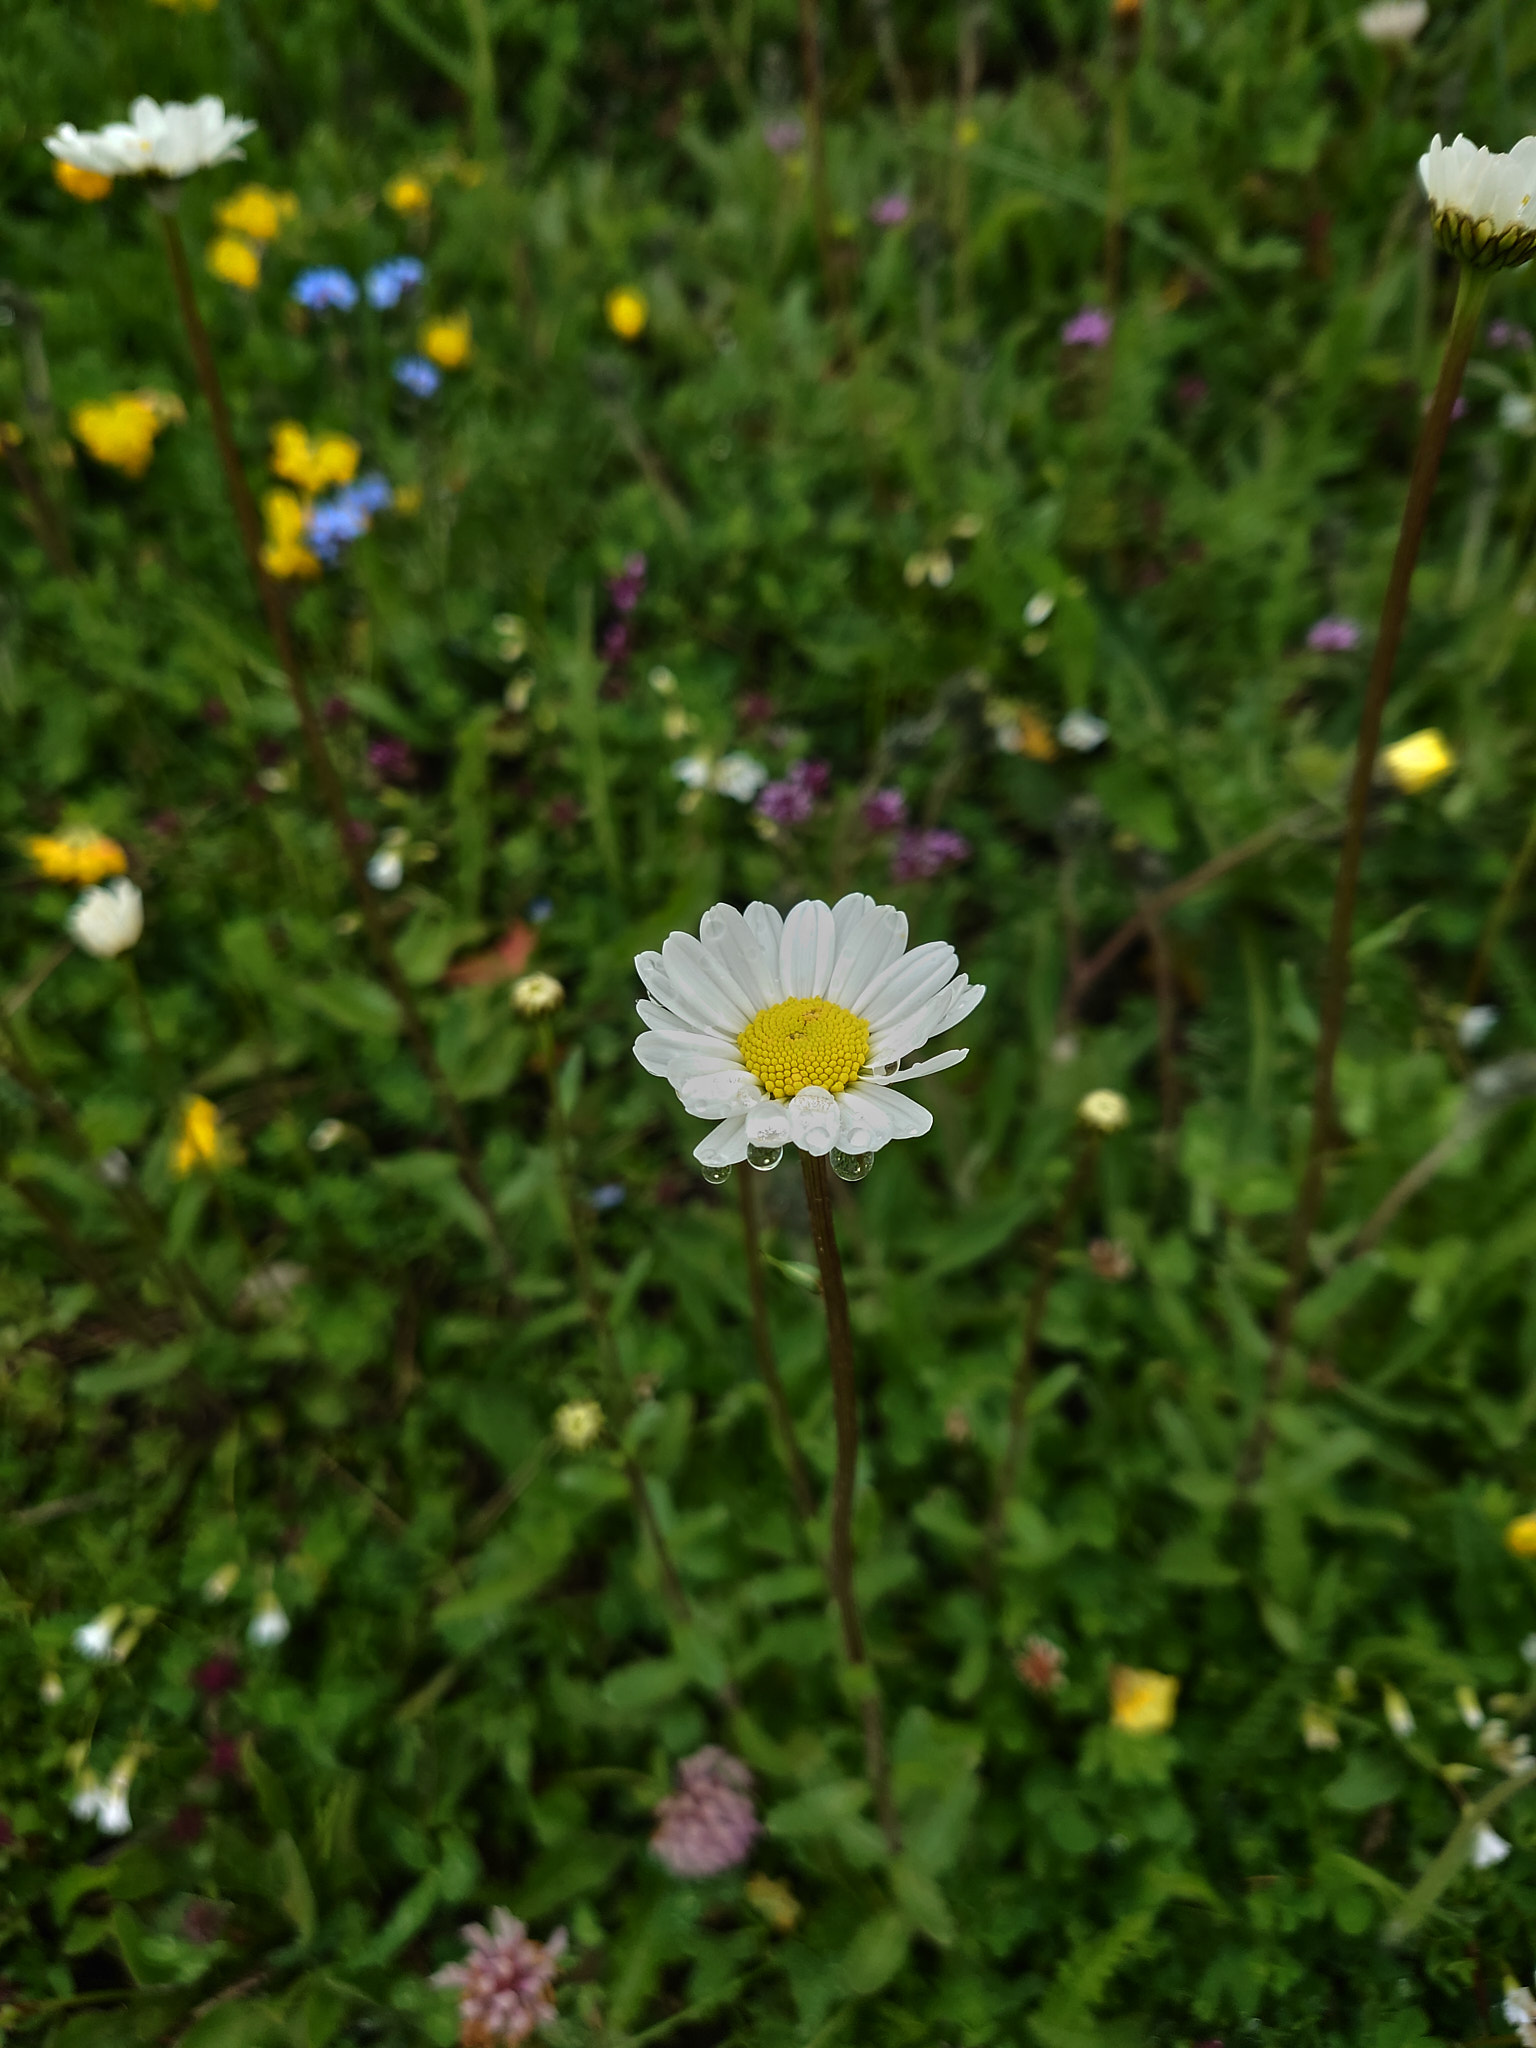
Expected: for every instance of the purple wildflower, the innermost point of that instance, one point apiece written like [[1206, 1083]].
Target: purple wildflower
[[890, 210], [1334, 635], [387, 283], [324, 290], [1091, 328], [1193, 391], [504, 1982], [628, 587], [707, 1824], [920, 855], [1509, 334], [793, 799], [884, 810], [616, 643], [416, 375], [784, 135], [392, 759]]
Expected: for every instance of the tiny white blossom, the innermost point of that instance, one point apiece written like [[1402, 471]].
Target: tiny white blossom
[[1472, 1027], [1528, 1648], [1520, 2011], [1398, 1712], [692, 771], [1039, 608], [114, 1167], [1392, 21], [1082, 732], [386, 870], [221, 1583], [1488, 1848], [51, 1691], [328, 1132], [106, 1804], [269, 1624], [107, 920], [1469, 1707], [739, 777], [1517, 414], [174, 139], [93, 1639]]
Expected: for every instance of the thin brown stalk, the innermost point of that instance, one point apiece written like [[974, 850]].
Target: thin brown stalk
[[845, 1409], [883, 23], [46, 520], [1470, 296], [816, 141], [1166, 987], [767, 1362], [1034, 1316], [321, 765]]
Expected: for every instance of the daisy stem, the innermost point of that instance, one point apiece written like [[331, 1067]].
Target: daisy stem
[[845, 1409], [322, 766], [1034, 1316], [1471, 294], [767, 1363]]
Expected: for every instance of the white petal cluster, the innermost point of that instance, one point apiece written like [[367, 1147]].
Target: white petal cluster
[[173, 140], [1520, 2011], [1481, 200], [1392, 21], [269, 1624], [107, 920], [106, 1804], [705, 991]]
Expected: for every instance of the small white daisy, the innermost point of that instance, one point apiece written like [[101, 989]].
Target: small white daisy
[[791, 1030], [173, 140]]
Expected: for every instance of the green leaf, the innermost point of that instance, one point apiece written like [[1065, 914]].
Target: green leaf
[[352, 1003], [295, 1893], [876, 1952], [922, 1902], [1368, 1779]]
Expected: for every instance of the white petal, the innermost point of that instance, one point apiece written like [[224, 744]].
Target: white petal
[[766, 926], [859, 1128], [661, 1019], [934, 1066], [909, 983], [723, 1092], [878, 941], [726, 1144], [807, 950], [730, 943], [848, 913], [907, 1119], [769, 1124], [653, 1054], [959, 1001], [814, 1116], [693, 980], [895, 1041]]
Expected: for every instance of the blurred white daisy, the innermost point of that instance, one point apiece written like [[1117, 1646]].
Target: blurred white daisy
[[1082, 732], [1392, 21], [1480, 201], [107, 920], [174, 139], [1520, 2011], [791, 1030]]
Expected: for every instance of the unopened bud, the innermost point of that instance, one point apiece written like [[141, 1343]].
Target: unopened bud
[[537, 995]]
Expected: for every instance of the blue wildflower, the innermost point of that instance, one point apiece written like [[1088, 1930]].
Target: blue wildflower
[[540, 910], [324, 290], [419, 377], [609, 1196], [387, 283], [372, 493]]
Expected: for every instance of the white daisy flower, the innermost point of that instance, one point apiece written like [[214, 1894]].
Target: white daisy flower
[[107, 920], [174, 139], [791, 1030], [1480, 201]]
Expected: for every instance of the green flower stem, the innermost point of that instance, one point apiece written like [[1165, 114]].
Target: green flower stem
[[1452, 1856], [321, 764], [816, 140], [845, 1409], [1470, 297], [1498, 917], [767, 1363], [1034, 1316]]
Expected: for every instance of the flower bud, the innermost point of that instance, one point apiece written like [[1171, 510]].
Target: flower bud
[[578, 1424], [1104, 1110], [537, 995]]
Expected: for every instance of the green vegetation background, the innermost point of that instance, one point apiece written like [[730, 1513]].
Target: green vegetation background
[[482, 1697]]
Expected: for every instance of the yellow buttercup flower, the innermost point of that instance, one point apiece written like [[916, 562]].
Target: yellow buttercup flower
[[78, 854], [314, 465], [236, 261], [120, 432], [256, 212], [1142, 1702], [627, 311], [1418, 761], [80, 184], [447, 342], [284, 554], [406, 193], [1520, 1536], [203, 1140]]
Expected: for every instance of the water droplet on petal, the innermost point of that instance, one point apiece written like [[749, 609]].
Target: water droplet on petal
[[764, 1157], [852, 1165], [716, 1175]]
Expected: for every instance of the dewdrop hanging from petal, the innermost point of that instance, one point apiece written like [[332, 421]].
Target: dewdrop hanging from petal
[[790, 1030]]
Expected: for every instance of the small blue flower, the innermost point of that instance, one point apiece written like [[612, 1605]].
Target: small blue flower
[[609, 1196], [540, 910], [418, 376], [371, 493], [387, 283], [324, 290]]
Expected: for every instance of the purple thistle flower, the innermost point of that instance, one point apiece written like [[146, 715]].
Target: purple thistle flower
[[921, 854], [792, 800], [890, 210], [1091, 328], [387, 283], [392, 759], [416, 375], [504, 1982], [628, 587], [324, 290], [784, 135], [707, 1824], [1334, 635], [884, 810]]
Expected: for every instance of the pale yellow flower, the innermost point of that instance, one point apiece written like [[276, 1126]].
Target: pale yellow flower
[[1397, 1712], [775, 1901], [78, 854], [257, 212], [1418, 761], [579, 1424], [1142, 1702], [627, 310], [120, 432], [203, 1140], [284, 554], [79, 183], [1319, 1730], [314, 465], [447, 342], [1105, 1110], [537, 995], [406, 193], [1520, 1536], [236, 261]]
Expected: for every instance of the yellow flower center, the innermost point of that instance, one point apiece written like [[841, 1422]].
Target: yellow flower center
[[806, 1042]]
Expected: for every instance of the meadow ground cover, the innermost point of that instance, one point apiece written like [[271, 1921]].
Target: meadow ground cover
[[1038, 1549]]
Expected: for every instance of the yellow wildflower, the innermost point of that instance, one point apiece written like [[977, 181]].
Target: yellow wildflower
[[1142, 1702], [236, 261], [1416, 762], [120, 432], [627, 311], [447, 341], [1520, 1536], [578, 1424], [968, 132], [81, 184], [284, 554], [1105, 1110], [168, 409], [203, 1140], [256, 212], [406, 193], [775, 1901], [313, 465], [78, 854]]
